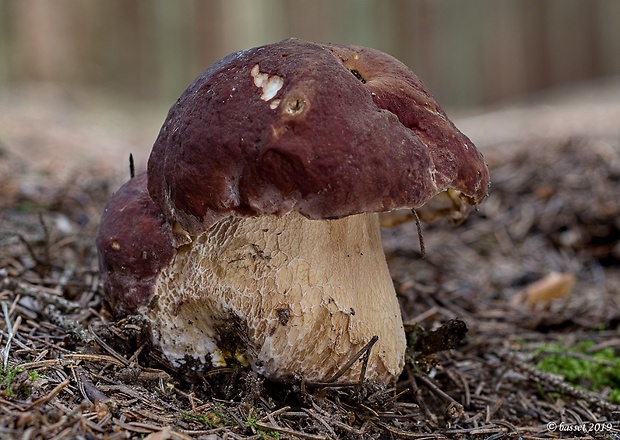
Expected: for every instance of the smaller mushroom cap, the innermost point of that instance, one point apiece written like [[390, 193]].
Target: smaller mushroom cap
[[134, 243]]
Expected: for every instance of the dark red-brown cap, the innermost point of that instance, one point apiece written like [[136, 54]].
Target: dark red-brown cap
[[326, 130], [134, 244]]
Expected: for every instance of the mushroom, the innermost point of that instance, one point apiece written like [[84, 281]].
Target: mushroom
[[134, 243], [258, 240]]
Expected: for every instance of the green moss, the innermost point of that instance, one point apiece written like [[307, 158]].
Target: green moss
[[263, 433], [591, 371], [14, 381], [268, 435], [212, 419], [7, 376], [33, 375]]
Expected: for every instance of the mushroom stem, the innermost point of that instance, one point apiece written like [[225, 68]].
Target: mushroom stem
[[290, 296]]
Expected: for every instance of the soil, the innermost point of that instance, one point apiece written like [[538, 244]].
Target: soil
[[476, 309]]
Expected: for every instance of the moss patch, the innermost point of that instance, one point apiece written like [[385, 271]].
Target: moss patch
[[579, 365]]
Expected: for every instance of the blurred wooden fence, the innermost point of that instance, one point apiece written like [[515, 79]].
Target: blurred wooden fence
[[466, 51]]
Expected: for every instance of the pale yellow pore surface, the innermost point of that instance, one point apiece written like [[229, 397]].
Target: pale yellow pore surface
[[294, 297]]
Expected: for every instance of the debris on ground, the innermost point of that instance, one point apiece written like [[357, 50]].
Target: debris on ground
[[535, 271]]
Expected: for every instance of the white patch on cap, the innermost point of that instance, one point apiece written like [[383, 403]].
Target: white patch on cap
[[270, 85]]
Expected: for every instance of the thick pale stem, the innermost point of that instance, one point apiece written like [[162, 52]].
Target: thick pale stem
[[291, 296]]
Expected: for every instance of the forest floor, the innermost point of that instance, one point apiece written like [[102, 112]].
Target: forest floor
[[534, 274]]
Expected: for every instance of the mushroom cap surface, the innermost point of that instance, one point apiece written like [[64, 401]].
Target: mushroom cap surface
[[326, 130], [134, 243]]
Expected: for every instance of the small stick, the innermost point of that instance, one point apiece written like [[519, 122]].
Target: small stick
[[275, 413], [107, 348], [47, 295], [418, 225], [94, 358], [61, 386], [318, 415], [365, 363], [9, 330], [365, 349], [132, 168], [290, 432], [455, 409]]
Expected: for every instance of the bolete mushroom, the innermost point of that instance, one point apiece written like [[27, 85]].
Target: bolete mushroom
[[258, 240]]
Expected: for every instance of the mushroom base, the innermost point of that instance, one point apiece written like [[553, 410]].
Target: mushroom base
[[289, 296]]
